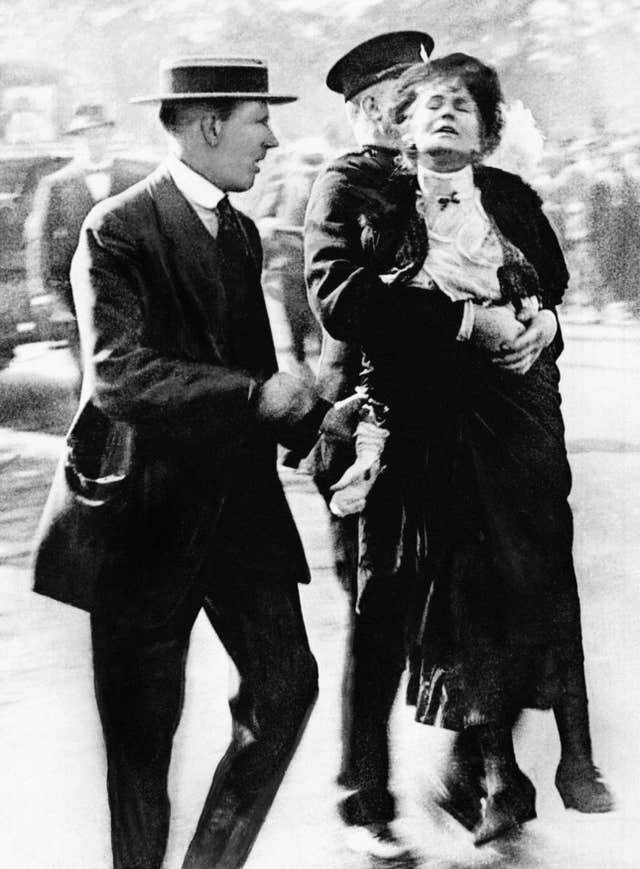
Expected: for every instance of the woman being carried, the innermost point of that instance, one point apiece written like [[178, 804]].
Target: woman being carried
[[476, 443]]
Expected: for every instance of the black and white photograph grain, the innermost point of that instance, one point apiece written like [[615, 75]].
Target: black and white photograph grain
[[319, 434]]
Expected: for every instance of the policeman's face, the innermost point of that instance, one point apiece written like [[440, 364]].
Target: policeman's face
[[243, 140], [444, 125]]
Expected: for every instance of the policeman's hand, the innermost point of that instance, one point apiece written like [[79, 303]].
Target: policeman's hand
[[519, 355], [341, 420], [286, 399], [494, 327]]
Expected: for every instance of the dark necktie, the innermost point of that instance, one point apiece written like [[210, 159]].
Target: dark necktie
[[226, 220]]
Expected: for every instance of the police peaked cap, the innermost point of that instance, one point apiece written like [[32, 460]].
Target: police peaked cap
[[376, 59]]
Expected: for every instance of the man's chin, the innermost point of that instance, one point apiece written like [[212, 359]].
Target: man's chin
[[241, 186]]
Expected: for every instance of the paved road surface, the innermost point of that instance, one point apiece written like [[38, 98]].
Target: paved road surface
[[52, 805]]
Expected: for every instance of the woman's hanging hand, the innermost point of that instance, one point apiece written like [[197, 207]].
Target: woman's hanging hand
[[351, 490], [518, 355]]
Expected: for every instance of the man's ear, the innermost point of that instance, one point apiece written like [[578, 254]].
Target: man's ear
[[371, 107], [211, 126]]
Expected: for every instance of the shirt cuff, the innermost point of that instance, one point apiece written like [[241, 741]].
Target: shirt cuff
[[466, 326]]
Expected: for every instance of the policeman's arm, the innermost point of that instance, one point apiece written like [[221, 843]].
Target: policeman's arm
[[345, 290]]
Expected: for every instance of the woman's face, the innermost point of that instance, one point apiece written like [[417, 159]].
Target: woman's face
[[444, 125]]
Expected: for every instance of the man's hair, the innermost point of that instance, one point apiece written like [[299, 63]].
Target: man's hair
[[175, 116], [356, 113], [480, 80]]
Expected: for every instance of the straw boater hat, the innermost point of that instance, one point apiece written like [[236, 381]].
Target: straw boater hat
[[88, 117], [377, 59], [201, 78]]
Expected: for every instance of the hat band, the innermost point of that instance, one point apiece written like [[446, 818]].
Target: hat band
[[211, 80]]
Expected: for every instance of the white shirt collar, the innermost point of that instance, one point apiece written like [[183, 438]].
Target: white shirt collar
[[434, 184], [193, 186]]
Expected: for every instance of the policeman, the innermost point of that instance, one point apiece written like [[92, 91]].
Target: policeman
[[344, 203]]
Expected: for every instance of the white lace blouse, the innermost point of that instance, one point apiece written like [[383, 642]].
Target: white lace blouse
[[464, 250]]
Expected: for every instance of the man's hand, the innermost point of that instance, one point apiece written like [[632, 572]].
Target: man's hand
[[342, 419], [494, 327], [286, 399], [519, 355]]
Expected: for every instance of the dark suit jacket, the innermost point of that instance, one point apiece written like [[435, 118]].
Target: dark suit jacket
[[61, 203], [154, 324]]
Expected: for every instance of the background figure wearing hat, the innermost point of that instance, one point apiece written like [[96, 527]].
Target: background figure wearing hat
[[179, 358], [347, 201], [63, 200]]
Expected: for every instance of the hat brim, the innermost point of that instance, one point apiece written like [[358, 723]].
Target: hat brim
[[73, 131], [238, 95]]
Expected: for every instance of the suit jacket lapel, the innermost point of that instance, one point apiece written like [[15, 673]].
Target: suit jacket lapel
[[194, 257]]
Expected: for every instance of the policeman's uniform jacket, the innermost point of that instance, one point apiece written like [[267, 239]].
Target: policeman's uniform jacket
[[175, 340], [351, 186]]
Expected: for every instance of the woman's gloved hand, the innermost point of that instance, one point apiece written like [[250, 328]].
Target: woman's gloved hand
[[351, 490]]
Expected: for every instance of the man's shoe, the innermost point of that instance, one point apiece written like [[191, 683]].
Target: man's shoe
[[461, 802], [460, 788], [581, 787], [377, 840]]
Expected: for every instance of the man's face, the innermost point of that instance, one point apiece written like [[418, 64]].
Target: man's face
[[243, 141], [444, 117], [93, 144]]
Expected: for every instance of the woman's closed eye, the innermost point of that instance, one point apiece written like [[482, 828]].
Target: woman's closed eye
[[460, 104]]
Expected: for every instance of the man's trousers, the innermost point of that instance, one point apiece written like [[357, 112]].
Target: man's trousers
[[139, 681]]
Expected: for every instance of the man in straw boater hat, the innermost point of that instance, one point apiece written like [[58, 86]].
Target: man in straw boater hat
[[345, 205], [63, 199], [168, 499]]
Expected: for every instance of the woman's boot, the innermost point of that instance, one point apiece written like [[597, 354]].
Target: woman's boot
[[577, 778]]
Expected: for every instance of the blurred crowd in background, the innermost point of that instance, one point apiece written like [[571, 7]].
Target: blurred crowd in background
[[591, 191]]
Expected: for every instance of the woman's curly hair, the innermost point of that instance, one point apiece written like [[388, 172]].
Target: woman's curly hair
[[480, 80]]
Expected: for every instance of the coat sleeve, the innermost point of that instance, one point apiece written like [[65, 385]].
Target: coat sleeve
[[343, 279], [161, 395], [40, 262]]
